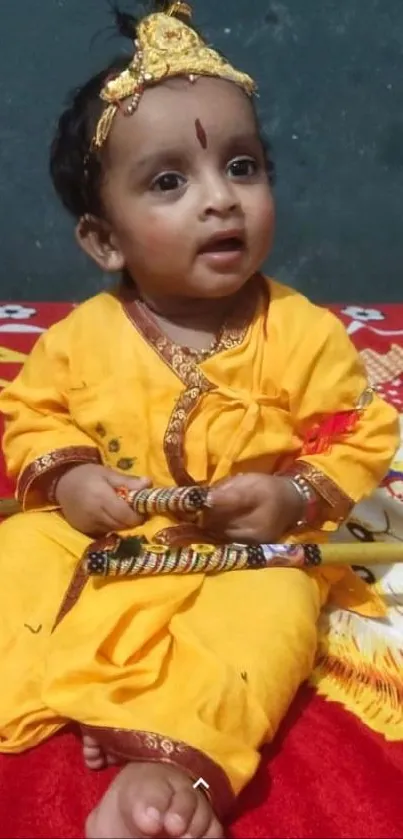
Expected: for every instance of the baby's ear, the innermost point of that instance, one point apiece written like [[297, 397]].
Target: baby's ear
[[95, 237]]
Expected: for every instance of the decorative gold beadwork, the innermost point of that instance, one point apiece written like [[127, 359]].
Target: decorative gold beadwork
[[165, 47]]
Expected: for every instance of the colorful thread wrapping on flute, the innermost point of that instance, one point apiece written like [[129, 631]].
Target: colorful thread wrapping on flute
[[142, 558], [187, 501]]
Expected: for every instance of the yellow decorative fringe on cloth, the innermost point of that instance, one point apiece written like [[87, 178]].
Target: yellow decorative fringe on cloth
[[360, 660]]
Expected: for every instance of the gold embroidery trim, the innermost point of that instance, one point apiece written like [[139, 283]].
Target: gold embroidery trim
[[182, 360], [80, 578], [73, 593], [158, 748], [180, 535], [184, 363], [336, 499], [51, 461], [174, 438]]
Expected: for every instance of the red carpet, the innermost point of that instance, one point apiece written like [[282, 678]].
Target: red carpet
[[326, 776]]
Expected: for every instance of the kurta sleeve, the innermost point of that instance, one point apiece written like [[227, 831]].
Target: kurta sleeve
[[348, 434], [40, 438]]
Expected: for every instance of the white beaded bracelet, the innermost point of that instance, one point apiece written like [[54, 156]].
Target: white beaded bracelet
[[308, 496]]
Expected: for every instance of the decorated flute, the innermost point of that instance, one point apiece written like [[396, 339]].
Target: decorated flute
[[133, 556], [118, 556]]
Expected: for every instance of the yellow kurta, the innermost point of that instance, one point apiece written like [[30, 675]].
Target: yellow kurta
[[209, 662]]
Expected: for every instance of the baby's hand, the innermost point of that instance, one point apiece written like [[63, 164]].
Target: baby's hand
[[253, 508], [87, 497]]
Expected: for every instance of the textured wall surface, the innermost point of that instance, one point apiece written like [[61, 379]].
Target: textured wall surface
[[331, 101]]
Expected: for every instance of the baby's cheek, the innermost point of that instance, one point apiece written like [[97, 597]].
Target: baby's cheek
[[262, 223], [161, 238]]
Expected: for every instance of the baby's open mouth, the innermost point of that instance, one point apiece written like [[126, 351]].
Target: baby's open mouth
[[223, 244]]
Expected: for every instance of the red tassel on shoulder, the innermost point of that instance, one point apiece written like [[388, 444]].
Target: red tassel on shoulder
[[319, 438]]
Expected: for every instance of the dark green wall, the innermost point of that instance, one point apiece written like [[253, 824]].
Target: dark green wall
[[331, 100]]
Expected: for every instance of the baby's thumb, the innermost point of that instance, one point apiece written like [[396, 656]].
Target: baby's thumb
[[116, 479]]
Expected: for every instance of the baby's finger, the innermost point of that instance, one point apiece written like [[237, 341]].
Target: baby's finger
[[242, 528], [219, 518], [229, 496], [106, 522], [118, 509], [113, 523], [99, 524], [116, 479], [251, 530]]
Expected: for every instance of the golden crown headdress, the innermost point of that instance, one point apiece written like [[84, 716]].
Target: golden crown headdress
[[165, 47]]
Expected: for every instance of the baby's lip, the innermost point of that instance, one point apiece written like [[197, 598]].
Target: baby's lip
[[230, 239]]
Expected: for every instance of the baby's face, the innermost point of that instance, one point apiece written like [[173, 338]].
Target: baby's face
[[186, 190]]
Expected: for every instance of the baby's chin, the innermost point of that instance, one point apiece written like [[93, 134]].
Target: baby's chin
[[216, 287]]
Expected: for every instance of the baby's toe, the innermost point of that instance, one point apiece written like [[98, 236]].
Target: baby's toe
[[215, 830], [90, 744], [93, 755], [95, 764], [150, 805], [204, 823], [93, 758], [181, 811]]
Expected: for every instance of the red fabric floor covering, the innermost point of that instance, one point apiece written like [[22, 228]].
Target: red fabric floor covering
[[326, 777]]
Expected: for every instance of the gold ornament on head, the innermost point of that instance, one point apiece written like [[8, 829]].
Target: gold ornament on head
[[165, 47]]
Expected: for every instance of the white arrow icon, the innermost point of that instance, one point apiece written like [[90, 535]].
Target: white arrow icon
[[201, 783]]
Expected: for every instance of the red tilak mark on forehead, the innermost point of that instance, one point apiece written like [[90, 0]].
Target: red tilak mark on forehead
[[201, 134]]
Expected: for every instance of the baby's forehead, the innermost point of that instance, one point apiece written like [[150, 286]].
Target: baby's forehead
[[168, 112]]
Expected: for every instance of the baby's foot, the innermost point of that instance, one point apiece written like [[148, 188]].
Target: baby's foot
[[94, 755], [153, 800]]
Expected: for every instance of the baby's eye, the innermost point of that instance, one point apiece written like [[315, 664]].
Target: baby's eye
[[167, 182], [242, 167]]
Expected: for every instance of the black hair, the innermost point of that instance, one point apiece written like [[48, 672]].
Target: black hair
[[76, 170]]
